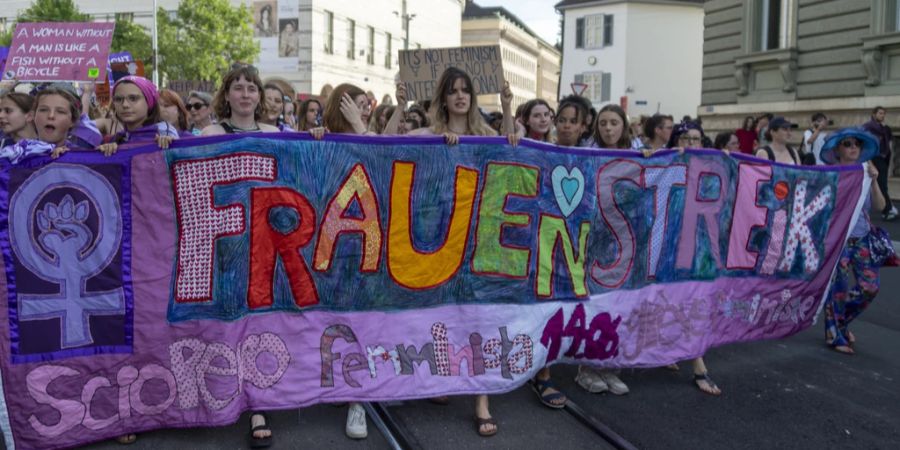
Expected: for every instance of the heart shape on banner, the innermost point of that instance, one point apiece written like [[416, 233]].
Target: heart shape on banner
[[568, 188]]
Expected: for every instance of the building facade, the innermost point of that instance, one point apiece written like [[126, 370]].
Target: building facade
[[314, 43], [643, 55], [799, 57], [530, 64]]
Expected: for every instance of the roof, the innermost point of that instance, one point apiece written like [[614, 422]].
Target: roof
[[575, 3], [474, 11]]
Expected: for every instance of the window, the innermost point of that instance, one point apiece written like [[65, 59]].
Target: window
[[329, 32], [598, 84], [892, 16], [370, 52], [124, 17], [594, 31], [351, 39], [770, 25], [3, 24], [388, 51]]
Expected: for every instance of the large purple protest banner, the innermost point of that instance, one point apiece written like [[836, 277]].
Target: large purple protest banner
[[179, 288], [59, 51]]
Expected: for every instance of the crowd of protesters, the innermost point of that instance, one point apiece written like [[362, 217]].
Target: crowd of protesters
[[52, 119]]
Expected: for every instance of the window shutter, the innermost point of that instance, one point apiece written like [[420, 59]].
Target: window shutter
[[607, 30], [605, 87], [579, 32]]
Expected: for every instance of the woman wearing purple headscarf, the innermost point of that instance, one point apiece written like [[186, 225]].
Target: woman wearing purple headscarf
[[136, 102]]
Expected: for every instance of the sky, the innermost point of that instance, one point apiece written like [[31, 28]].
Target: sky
[[539, 15]]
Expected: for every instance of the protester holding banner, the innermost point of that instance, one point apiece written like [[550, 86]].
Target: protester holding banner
[[855, 282], [16, 118], [173, 111], [728, 141], [309, 116], [347, 110], [238, 103], [198, 107], [538, 120], [274, 106], [55, 115], [570, 122], [137, 107]]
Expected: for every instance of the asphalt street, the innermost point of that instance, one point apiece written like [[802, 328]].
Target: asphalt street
[[789, 393]]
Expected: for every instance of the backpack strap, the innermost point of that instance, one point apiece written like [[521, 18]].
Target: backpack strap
[[769, 153]]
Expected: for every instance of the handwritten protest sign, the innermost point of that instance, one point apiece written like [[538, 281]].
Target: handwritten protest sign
[[179, 288], [59, 51], [420, 69]]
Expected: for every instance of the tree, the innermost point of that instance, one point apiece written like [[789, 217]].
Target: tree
[[47, 11], [133, 38], [204, 38]]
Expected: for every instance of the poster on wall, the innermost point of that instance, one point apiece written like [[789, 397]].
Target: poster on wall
[[277, 27]]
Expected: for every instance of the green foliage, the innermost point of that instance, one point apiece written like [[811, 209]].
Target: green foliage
[[204, 38], [134, 38], [47, 11]]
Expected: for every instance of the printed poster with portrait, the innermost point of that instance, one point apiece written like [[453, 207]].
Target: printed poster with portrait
[[277, 27]]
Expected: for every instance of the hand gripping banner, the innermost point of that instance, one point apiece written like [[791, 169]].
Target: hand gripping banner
[[179, 288]]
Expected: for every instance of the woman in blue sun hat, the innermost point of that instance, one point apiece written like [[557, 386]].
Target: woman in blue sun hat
[[855, 282]]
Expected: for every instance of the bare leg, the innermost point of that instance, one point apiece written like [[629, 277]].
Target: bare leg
[[482, 411], [701, 378]]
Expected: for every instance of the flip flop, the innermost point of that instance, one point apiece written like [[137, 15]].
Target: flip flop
[[843, 349], [540, 388], [479, 422], [705, 377], [257, 442]]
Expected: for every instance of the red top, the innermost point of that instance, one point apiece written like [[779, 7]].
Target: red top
[[746, 139]]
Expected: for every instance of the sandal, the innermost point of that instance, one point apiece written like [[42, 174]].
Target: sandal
[[479, 423], [126, 439], [704, 377], [260, 442], [845, 349], [540, 388]]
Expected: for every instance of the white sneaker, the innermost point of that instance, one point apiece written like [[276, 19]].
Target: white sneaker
[[616, 386], [590, 380], [356, 422]]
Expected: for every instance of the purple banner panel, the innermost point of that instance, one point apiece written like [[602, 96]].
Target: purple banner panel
[[179, 288], [59, 51]]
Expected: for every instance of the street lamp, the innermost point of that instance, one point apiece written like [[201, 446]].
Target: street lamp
[[403, 15]]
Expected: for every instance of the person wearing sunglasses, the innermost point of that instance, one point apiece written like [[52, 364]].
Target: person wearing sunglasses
[[199, 113], [239, 104], [855, 282]]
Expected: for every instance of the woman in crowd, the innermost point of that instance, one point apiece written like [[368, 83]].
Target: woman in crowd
[[274, 106], [290, 113], [610, 132], [570, 122], [380, 119], [657, 132], [537, 118], [310, 115], [762, 128], [856, 281], [198, 107], [778, 134], [347, 111], [56, 112], [727, 141], [454, 113], [746, 135], [172, 110], [418, 114], [238, 104], [136, 103], [16, 118], [690, 134]]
